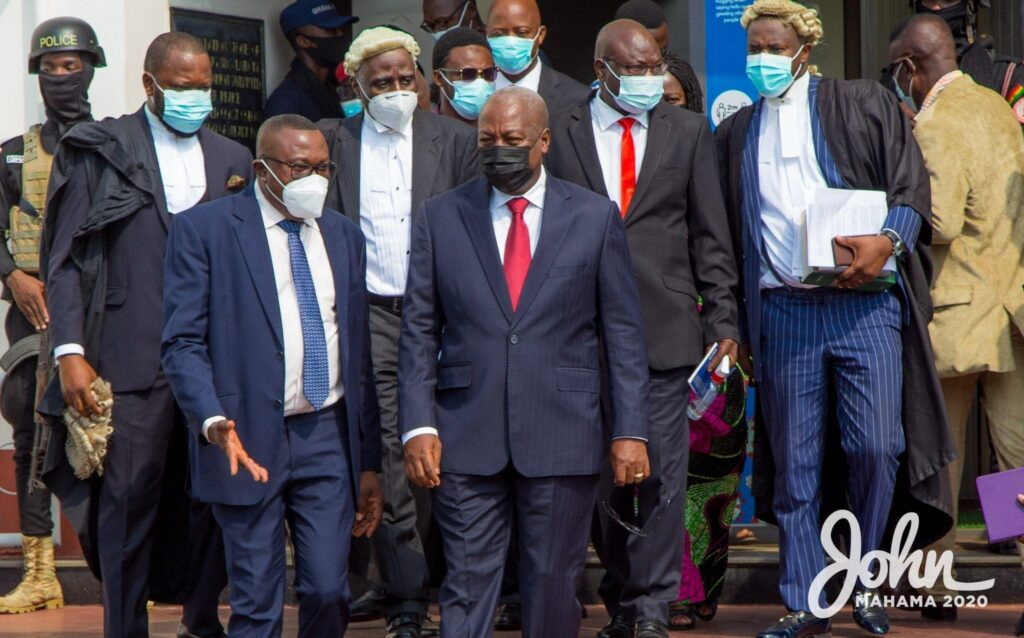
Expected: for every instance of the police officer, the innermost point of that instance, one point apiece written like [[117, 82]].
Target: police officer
[[64, 53]]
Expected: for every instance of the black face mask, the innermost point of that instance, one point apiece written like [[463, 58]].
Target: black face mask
[[507, 168], [955, 16], [66, 97], [329, 51]]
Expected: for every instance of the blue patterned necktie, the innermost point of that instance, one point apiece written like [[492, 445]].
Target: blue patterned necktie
[[315, 373]]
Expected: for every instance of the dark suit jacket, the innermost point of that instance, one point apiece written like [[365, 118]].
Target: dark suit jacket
[[443, 156], [129, 344], [223, 349], [678, 231], [521, 386], [559, 90]]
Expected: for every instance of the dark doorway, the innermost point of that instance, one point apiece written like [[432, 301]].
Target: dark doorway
[[572, 28]]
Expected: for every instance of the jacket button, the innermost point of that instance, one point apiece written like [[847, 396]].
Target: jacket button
[[514, 339], [280, 356], [277, 404]]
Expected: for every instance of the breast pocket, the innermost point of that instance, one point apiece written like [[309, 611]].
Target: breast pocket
[[567, 271], [115, 296]]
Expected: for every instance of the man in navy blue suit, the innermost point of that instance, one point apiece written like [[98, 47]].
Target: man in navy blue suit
[[114, 188], [512, 279], [266, 345]]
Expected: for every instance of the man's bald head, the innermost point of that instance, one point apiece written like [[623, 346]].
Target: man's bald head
[[523, 106], [508, 9], [624, 38], [921, 37]]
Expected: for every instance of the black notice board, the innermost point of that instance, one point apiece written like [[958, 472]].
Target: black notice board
[[239, 79]]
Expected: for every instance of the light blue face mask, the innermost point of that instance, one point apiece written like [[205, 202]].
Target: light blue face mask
[[352, 108], [469, 96], [906, 99], [440, 34], [512, 54], [771, 74], [185, 111], [637, 93]]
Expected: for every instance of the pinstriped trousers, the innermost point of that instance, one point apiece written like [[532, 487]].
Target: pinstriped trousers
[[812, 340]]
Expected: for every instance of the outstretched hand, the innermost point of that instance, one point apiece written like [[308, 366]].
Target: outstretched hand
[[223, 435]]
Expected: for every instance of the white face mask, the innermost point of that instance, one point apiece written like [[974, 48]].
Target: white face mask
[[304, 198], [394, 110]]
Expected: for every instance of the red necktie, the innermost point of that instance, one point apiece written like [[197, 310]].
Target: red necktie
[[517, 250], [627, 175]]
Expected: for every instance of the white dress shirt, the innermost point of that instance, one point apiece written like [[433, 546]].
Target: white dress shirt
[[295, 401], [183, 173], [501, 221], [608, 138], [529, 81], [182, 168], [385, 205], [788, 174]]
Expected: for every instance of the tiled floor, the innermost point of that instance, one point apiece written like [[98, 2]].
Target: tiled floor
[[86, 621]]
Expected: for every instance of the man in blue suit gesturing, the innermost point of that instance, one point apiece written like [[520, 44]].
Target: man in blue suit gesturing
[[518, 284], [266, 345]]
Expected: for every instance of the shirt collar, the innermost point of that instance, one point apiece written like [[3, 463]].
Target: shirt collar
[[535, 195], [272, 216], [608, 117], [162, 133], [797, 94], [370, 124], [529, 81]]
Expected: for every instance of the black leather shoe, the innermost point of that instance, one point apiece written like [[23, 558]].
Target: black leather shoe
[[799, 625], [366, 608], [509, 617], [617, 627], [939, 614], [647, 628], [404, 625], [872, 618]]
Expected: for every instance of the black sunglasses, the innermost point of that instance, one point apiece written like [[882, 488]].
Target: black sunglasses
[[638, 528], [470, 74]]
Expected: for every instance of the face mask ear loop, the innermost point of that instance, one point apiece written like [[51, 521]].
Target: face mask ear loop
[[276, 179]]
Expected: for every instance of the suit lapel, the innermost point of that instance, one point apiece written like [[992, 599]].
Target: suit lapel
[[749, 176], [349, 169], [581, 132], [658, 134], [825, 162], [213, 191], [337, 254], [425, 155], [148, 149], [555, 223], [475, 211], [252, 241]]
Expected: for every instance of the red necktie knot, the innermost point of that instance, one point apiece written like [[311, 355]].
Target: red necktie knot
[[627, 123], [518, 205]]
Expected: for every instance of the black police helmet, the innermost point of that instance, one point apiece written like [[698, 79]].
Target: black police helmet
[[64, 34]]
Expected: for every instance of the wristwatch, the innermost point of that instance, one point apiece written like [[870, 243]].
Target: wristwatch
[[898, 247]]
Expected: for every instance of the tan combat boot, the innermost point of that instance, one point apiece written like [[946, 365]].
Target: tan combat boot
[[39, 588]]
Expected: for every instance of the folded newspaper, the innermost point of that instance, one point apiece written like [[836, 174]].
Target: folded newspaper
[[86, 446]]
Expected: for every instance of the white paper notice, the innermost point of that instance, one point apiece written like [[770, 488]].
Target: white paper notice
[[837, 212]]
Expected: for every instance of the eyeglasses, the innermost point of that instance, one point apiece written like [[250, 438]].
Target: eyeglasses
[[299, 171], [638, 528], [639, 69], [442, 23], [470, 74]]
